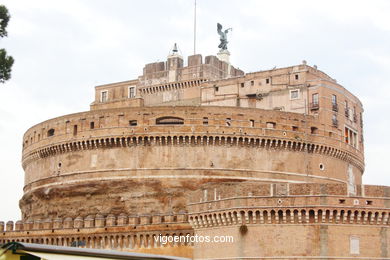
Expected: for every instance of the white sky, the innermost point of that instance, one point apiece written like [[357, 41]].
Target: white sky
[[62, 49]]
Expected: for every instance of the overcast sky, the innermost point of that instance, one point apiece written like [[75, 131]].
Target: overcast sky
[[62, 49]]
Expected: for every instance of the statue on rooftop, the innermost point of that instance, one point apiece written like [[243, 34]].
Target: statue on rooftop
[[222, 37]]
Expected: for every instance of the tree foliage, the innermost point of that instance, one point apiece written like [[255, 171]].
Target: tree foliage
[[6, 62], [4, 19]]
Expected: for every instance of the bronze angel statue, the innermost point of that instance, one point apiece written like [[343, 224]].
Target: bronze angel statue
[[222, 37]]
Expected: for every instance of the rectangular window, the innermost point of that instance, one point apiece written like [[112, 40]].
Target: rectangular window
[[92, 125], [354, 245], [334, 99], [75, 130], [133, 122], [315, 99], [346, 108], [252, 123], [296, 76], [295, 128], [242, 84], [335, 122], [103, 96], [252, 83], [351, 137], [294, 94], [205, 120], [131, 92], [267, 81]]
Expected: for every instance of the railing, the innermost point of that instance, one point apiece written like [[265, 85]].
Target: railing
[[314, 106]]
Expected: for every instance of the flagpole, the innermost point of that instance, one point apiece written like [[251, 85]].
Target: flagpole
[[195, 28]]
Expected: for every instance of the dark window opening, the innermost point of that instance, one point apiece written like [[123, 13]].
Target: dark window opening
[[216, 88], [133, 123], [342, 201], [75, 130], [313, 130], [92, 125], [242, 84], [50, 132], [228, 121], [252, 83], [267, 81], [252, 123], [170, 120], [368, 202], [205, 120], [295, 128], [296, 76]]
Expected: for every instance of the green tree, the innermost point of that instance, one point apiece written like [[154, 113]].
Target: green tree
[[6, 62]]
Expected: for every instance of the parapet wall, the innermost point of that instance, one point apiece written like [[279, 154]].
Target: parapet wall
[[122, 232], [233, 204], [292, 221]]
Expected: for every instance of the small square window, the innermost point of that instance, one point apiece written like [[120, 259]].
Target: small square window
[[133, 122], [216, 88], [313, 130], [205, 120], [267, 81], [228, 121], [252, 123], [92, 125], [295, 128], [294, 94], [271, 125], [242, 84], [296, 76]]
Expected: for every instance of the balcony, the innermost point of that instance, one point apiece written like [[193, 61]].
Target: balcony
[[314, 106], [335, 107]]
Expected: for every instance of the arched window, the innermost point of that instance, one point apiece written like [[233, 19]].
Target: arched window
[[50, 132], [169, 120]]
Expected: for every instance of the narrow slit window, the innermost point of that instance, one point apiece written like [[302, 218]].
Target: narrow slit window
[[75, 130], [92, 125], [169, 120]]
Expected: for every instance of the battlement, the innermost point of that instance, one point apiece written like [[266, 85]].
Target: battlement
[[97, 221]]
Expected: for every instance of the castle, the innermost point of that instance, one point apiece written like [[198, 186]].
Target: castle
[[273, 158]]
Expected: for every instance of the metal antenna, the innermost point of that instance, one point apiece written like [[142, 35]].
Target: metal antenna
[[195, 28]]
